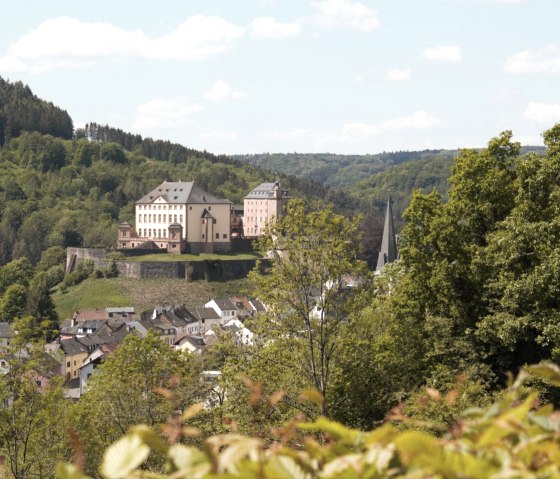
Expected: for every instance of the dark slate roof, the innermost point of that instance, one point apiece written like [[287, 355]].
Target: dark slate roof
[[4, 330], [121, 310], [265, 191], [196, 341], [204, 313], [181, 192], [73, 346], [259, 307]]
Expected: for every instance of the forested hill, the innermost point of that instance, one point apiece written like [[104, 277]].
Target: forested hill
[[55, 190], [21, 110], [370, 178], [339, 171]]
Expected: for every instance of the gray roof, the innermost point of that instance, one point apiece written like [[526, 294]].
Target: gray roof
[[203, 313], [124, 309], [73, 346], [4, 330], [181, 192], [225, 304], [196, 341], [266, 190]]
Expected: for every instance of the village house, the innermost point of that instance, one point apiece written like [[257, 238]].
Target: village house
[[179, 217], [225, 308], [263, 205]]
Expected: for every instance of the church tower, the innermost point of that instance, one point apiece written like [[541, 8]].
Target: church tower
[[388, 252]]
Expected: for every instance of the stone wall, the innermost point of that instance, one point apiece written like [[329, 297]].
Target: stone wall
[[209, 270]]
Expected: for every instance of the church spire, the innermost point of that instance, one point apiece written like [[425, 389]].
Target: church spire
[[388, 252]]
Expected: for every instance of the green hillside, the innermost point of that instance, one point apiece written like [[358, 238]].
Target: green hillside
[[57, 191]]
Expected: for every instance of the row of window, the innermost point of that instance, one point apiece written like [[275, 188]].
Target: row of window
[[162, 233], [159, 207], [159, 218]]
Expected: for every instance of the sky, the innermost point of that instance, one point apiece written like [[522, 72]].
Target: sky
[[254, 76]]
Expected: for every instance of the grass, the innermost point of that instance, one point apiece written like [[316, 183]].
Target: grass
[[194, 257], [143, 294]]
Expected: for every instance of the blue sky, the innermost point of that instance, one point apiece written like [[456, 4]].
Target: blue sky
[[253, 76]]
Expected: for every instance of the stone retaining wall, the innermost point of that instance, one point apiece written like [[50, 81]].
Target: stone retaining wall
[[209, 270]]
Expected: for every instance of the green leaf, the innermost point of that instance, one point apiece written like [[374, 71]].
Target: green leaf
[[124, 456], [284, 467], [185, 457], [311, 395], [548, 371], [69, 471], [415, 443], [334, 429], [149, 437]]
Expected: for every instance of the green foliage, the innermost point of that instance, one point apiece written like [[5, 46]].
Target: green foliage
[[14, 303], [54, 256], [83, 270], [311, 252], [130, 388], [32, 418], [514, 437]]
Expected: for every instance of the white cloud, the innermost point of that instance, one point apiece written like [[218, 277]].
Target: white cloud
[[345, 13], [443, 53], [163, 113], [217, 135], [418, 120], [397, 74], [542, 112], [545, 61], [66, 42], [222, 91], [268, 27]]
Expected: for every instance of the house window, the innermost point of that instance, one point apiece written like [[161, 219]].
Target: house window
[[202, 235], [124, 234], [150, 232], [190, 207], [175, 218], [225, 236], [217, 235], [159, 218], [180, 218], [165, 218], [173, 235], [209, 208], [68, 364]]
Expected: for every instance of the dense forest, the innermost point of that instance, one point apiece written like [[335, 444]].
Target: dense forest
[[21, 110]]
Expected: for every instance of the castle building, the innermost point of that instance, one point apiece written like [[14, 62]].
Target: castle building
[[263, 205], [179, 217]]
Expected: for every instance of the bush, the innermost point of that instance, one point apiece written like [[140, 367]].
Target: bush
[[83, 271], [515, 437]]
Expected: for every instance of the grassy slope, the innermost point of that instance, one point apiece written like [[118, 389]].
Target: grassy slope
[[143, 294]]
